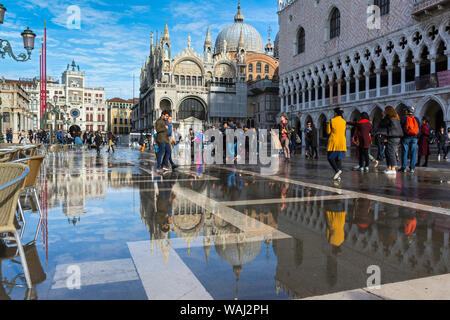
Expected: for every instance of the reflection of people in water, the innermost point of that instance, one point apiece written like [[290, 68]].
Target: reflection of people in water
[[335, 217], [284, 191], [362, 214], [164, 203], [409, 221]]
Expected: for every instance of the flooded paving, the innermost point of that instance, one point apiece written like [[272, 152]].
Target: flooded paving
[[113, 229]]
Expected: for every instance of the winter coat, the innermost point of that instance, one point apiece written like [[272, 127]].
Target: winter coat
[[424, 144], [336, 129], [311, 137], [364, 132], [393, 128]]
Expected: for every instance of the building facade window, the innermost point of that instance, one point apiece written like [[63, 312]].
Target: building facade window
[[335, 23], [384, 6], [301, 41], [266, 68], [258, 67], [250, 67]]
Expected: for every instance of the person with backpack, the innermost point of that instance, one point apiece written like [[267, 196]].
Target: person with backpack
[[424, 142], [411, 131], [98, 141], [311, 141]]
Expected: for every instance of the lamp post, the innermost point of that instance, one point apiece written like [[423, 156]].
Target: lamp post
[[54, 110], [28, 42], [2, 139]]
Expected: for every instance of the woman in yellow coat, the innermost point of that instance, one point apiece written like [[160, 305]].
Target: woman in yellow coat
[[337, 142]]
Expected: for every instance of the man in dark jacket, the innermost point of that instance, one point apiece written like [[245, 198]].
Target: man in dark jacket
[[409, 141], [162, 139]]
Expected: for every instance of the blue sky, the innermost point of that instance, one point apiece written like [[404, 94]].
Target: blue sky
[[114, 39]]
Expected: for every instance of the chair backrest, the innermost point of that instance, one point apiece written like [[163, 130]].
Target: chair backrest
[[12, 176], [12, 155], [34, 163]]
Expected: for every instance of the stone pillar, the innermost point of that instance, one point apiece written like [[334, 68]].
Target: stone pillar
[[378, 73], [403, 82], [316, 100], [448, 59], [303, 98], [417, 69], [324, 90], [298, 99], [339, 90], [432, 65], [347, 88], [357, 77], [282, 104], [330, 84], [367, 75], [390, 69], [309, 97]]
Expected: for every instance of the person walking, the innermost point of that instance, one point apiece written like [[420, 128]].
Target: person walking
[[424, 142], [364, 133], [411, 131], [110, 142], [311, 141], [337, 142], [391, 128], [285, 132], [162, 139], [172, 143], [442, 142], [9, 136], [98, 141]]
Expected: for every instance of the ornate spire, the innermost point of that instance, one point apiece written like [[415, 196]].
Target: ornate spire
[[166, 35], [208, 41], [239, 17]]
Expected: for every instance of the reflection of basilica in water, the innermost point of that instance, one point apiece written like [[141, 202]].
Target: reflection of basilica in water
[[86, 180]]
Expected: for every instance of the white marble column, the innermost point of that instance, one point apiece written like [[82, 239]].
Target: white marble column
[[316, 100], [303, 98], [309, 97], [390, 69], [298, 99], [448, 59], [432, 65], [330, 84], [367, 75], [403, 82], [357, 78], [347, 88], [324, 90], [339, 90], [378, 73], [417, 68], [282, 104]]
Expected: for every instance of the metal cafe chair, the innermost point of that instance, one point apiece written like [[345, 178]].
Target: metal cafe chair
[[12, 176], [37, 273], [29, 188]]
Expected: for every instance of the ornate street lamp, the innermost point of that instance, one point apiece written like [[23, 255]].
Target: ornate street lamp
[[28, 42]]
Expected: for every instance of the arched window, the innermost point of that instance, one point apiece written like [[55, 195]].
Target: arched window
[[258, 67], [335, 23], [250, 67], [301, 41], [191, 108], [384, 6], [258, 77], [266, 68], [250, 78]]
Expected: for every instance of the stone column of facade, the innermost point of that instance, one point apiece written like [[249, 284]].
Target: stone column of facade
[[309, 97], [447, 53], [282, 103], [347, 88], [292, 97], [403, 82], [298, 99], [339, 89], [357, 78], [417, 68], [303, 98], [432, 64], [367, 75], [324, 100], [390, 69], [330, 84], [378, 73], [316, 92]]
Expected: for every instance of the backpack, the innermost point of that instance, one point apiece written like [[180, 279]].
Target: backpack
[[411, 126]]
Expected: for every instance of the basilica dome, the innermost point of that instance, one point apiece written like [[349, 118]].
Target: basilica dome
[[252, 40]]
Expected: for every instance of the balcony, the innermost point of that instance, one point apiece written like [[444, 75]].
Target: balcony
[[427, 7]]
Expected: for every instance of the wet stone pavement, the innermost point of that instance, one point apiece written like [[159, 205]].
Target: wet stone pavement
[[113, 229]]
